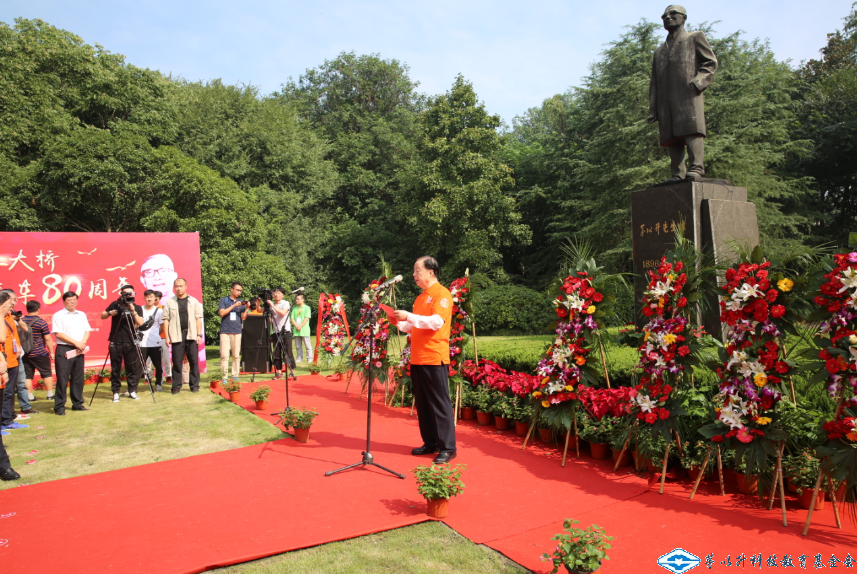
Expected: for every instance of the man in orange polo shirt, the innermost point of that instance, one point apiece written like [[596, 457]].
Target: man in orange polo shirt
[[429, 328]]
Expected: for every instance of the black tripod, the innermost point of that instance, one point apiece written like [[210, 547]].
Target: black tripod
[[135, 337], [276, 340], [368, 459]]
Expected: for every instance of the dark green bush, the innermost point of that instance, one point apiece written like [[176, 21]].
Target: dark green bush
[[512, 310]]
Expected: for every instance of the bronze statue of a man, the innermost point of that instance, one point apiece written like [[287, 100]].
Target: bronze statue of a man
[[683, 67]]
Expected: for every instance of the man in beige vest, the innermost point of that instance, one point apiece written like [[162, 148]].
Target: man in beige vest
[[183, 328]]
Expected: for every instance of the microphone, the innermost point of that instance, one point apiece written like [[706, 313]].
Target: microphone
[[386, 284], [298, 290]]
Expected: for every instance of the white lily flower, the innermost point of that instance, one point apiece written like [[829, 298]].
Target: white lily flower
[[661, 288], [848, 280], [746, 291], [645, 402]]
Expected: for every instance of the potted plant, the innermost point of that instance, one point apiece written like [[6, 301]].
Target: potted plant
[[802, 470], [104, 375], [298, 418], [618, 441], [599, 433], [260, 395], [693, 456], [234, 390], [340, 369], [468, 393], [214, 384], [522, 413], [483, 401], [90, 376], [314, 369], [438, 484], [747, 479], [501, 409], [545, 429], [579, 550], [123, 375]]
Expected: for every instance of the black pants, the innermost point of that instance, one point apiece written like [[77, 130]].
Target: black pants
[[434, 408], [69, 374], [283, 342], [180, 350], [4, 458], [7, 414], [119, 353], [154, 353]]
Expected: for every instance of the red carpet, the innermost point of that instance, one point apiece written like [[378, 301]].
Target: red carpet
[[200, 512]]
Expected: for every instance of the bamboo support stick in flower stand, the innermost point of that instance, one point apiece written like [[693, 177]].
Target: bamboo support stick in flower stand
[[701, 472], [664, 468], [603, 361], [624, 448], [720, 473], [529, 433], [777, 471], [783, 498], [576, 439], [833, 502], [839, 404], [565, 450]]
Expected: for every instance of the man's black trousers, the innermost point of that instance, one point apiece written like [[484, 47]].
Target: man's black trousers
[[68, 371], [181, 349], [4, 458], [434, 408], [154, 353], [126, 352]]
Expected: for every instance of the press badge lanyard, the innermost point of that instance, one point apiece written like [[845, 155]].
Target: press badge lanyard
[[14, 341]]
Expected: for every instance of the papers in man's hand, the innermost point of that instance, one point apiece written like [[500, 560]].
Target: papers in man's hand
[[74, 352], [391, 313]]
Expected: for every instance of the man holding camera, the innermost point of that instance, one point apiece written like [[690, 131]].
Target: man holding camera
[[183, 326], [282, 333], [125, 316], [233, 312]]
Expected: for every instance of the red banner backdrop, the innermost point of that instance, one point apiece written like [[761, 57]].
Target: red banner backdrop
[[42, 266]]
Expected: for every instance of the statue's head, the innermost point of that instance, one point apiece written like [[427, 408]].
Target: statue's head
[[674, 17]]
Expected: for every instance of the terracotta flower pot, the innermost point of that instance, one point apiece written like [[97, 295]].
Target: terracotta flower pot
[[502, 423], [626, 457], [791, 486], [483, 418], [261, 405], [650, 466], [694, 472], [546, 435], [840, 492], [805, 498], [214, 385], [521, 428], [468, 413], [747, 483], [572, 442], [105, 380], [438, 507], [599, 451], [124, 377], [314, 371], [570, 571], [301, 435], [234, 397]]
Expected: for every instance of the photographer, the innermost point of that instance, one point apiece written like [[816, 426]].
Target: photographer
[[126, 316], [233, 313], [282, 332]]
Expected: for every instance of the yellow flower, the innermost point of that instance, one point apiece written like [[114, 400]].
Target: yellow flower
[[546, 380], [761, 379], [661, 302], [763, 420], [785, 285], [590, 310], [537, 394], [669, 338], [671, 276], [546, 404], [569, 388], [647, 333]]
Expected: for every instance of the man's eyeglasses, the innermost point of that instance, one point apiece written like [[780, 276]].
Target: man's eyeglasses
[[161, 272]]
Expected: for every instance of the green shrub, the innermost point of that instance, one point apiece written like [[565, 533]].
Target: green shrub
[[512, 310]]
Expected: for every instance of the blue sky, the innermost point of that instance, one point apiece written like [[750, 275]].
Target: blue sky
[[515, 53]]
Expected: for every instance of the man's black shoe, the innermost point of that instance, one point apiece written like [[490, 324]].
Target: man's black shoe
[[175, 391], [425, 449], [444, 457], [194, 390], [80, 408], [9, 474], [60, 413]]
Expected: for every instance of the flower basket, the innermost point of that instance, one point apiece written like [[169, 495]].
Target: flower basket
[[805, 498], [483, 418], [521, 428], [261, 405], [747, 483], [599, 451], [468, 413], [302, 435], [625, 460], [438, 507], [502, 423], [235, 397]]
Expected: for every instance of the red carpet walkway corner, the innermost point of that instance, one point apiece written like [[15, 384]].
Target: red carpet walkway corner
[[197, 513]]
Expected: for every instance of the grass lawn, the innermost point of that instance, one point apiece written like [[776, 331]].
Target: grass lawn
[[423, 548]]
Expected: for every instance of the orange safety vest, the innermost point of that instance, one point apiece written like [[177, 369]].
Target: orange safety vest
[[432, 347]]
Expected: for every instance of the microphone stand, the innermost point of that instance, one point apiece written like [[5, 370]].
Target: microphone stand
[[368, 459]]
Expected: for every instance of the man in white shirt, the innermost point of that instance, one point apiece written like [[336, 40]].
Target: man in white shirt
[[150, 345], [72, 330], [282, 333]]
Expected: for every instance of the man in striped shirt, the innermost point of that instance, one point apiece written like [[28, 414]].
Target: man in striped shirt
[[43, 349]]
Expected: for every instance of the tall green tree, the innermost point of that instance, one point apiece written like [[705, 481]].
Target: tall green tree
[[454, 202]]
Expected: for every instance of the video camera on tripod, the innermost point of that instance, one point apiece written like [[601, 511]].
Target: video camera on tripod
[[125, 301]]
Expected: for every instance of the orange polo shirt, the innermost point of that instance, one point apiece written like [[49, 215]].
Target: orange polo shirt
[[12, 343], [432, 347]]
